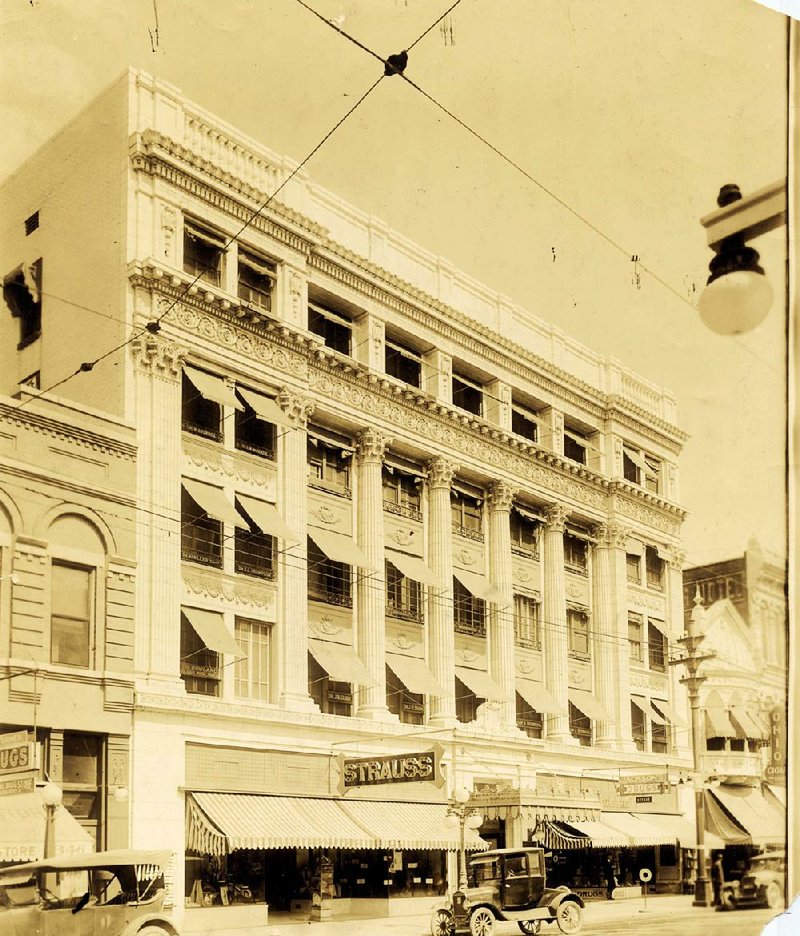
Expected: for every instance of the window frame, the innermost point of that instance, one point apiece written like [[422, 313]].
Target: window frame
[[205, 672], [405, 492], [580, 725], [639, 727], [630, 567], [90, 621], [337, 326], [527, 633], [466, 702], [528, 418], [326, 691], [211, 541], [469, 611], [199, 415], [528, 719], [259, 431], [579, 634], [329, 582], [245, 680], [262, 544], [636, 647], [214, 244], [402, 353], [575, 451], [467, 385], [406, 601], [654, 569], [576, 558], [657, 649], [408, 706], [324, 457], [466, 514], [517, 524], [660, 738], [264, 301]]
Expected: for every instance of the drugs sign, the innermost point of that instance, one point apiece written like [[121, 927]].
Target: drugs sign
[[16, 752]]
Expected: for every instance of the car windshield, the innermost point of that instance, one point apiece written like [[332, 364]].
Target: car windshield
[[18, 893], [484, 871], [768, 862]]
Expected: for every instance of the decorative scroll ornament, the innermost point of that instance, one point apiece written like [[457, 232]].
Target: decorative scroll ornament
[[326, 625], [325, 515], [466, 557], [402, 537], [296, 407], [610, 535], [501, 496], [370, 445], [158, 356], [440, 473], [555, 518]]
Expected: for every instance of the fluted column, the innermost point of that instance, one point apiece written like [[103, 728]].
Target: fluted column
[[679, 697], [371, 584], [441, 637], [291, 636], [158, 363], [555, 621], [501, 632], [610, 651]]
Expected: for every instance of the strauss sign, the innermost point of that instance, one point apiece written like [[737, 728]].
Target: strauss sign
[[390, 768]]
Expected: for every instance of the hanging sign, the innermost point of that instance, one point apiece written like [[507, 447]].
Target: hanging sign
[[775, 771], [16, 753], [389, 768]]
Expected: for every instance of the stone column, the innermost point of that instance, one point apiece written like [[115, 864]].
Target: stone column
[[441, 638], [610, 651], [371, 633], [555, 621], [501, 628], [291, 632], [679, 696], [158, 367]]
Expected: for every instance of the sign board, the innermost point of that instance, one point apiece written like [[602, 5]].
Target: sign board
[[13, 785], [390, 768], [643, 785], [16, 753], [775, 771]]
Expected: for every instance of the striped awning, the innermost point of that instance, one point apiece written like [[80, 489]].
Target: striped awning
[[556, 836], [600, 834], [762, 818], [747, 726], [410, 825], [637, 829], [720, 823], [718, 725]]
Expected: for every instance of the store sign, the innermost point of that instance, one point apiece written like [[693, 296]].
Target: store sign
[[775, 771], [16, 753], [392, 768], [14, 785], [643, 785]]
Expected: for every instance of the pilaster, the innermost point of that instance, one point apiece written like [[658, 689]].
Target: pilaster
[[501, 622], [369, 347], [552, 425], [437, 375], [675, 627]]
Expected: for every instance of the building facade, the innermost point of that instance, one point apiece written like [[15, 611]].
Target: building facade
[[395, 534]]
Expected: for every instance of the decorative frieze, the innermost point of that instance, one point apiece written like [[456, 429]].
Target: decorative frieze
[[222, 463], [225, 588]]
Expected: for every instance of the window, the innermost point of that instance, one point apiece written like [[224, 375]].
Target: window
[[526, 622], [640, 468], [408, 706], [403, 596], [528, 720], [328, 466], [31, 223], [655, 568], [467, 395], [402, 492], [256, 280], [82, 775], [575, 554], [251, 679], [524, 533], [469, 612], [332, 697], [656, 648], [328, 581], [575, 446], [633, 569], [22, 291], [71, 614], [199, 415], [578, 632], [466, 703], [334, 328], [202, 253], [635, 623], [253, 551], [253, 434], [580, 726], [523, 423], [659, 738], [201, 535], [466, 514], [638, 727], [403, 363], [200, 667]]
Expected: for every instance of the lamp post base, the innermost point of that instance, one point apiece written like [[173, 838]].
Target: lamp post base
[[702, 895]]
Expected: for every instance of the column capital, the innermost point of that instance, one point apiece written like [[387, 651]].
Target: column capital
[[158, 356], [440, 473], [501, 496], [610, 535], [555, 518], [296, 407], [676, 557], [370, 445]]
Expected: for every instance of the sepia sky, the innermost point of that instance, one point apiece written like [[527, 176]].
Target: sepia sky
[[632, 113]]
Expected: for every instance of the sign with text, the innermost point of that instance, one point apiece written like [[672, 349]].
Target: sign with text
[[17, 785], [389, 768], [775, 771], [16, 753], [643, 785]]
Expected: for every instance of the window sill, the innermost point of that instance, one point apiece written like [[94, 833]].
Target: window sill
[[318, 485], [470, 630], [342, 601], [525, 552], [475, 535], [576, 655], [577, 570], [402, 510]]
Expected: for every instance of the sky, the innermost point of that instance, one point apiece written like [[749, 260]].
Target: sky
[[632, 113]]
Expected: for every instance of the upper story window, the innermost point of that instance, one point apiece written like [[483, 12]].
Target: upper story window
[[328, 580], [524, 529], [576, 446], [633, 568], [635, 637], [467, 395], [71, 614], [528, 719], [201, 534], [402, 492], [641, 468], [469, 612], [332, 696], [408, 706], [201, 671], [524, 423], [22, 292], [253, 551], [466, 703], [252, 674], [403, 363], [659, 738], [526, 622], [403, 596], [328, 464], [256, 280], [466, 514], [580, 726], [654, 565], [203, 253], [576, 554], [31, 223], [578, 633], [253, 433], [638, 727], [200, 414], [335, 329], [656, 647]]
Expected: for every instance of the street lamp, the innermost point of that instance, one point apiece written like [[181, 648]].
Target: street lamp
[[52, 796], [467, 819]]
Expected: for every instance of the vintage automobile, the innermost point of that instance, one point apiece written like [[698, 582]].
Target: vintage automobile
[[116, 893], [511, 884], [762, 885]]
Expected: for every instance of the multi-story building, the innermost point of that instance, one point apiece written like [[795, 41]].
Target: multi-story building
[[395, 534]]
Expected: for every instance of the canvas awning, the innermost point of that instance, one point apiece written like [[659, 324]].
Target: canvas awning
[[655, 715], [214, 502], [340, 662], [480, 682], [636, 458], [665, 709], [210, 628], [413, 567], [684, 830], [599, 834], [538, 697], [22, 822], [340, 547], [410, 825], [554, 835], [478, 585], [588, 704], [634, 547], [720, 824], [414, 674], [765, 822], [264, 407], [718, 725], [267, 519], [212, 388], [639, 831], [747, 726]]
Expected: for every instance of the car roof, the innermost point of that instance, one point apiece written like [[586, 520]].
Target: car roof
[[766, 855], [499, 852], [116, 858]]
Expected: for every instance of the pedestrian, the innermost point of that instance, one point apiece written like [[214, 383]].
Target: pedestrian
[[611, 882], [717, 880]]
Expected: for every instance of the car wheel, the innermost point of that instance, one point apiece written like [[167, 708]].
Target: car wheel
[[152, 931], [530, 926], [481, 922], [442, 923], [774, 896], [569, 916]]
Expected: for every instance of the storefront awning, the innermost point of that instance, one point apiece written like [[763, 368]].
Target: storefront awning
[[413, 567], [410, 825], [264, 407], [414, 674], [538, 697], [214, 502], [556, 836], [746, 725], [720, 824], [478, 585], [637, 829], [340, 547], [212, 388], [665, 709], [587, 704], [683, 829], [765, 822], [22, 822], [267, 519], [634, 547], [718, 725], [600, 834], [340, 662], [210, 628], [480, 682]]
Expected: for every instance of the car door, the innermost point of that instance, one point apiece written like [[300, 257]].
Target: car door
[[516, 881]]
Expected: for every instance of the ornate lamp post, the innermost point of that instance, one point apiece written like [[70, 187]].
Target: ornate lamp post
[[52, 796], [467, 819]]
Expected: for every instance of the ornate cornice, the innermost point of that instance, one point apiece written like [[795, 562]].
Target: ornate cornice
[[501, 496], [370, 445], [27, 419], [440, 473], [158, 356], [555, 518]]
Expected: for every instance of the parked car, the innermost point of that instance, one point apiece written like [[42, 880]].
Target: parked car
[[511, 884], [762, 885], [116, 893]]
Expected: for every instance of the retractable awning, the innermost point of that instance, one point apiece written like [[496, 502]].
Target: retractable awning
[[747, 726], [264, 407], [340, 547], [410, 825], [478, 585], [414, 674], [340, 662], [556, 836], [684, 830], [665, 709], [588, 704], [267, 519], [210, 628], [212, 388], [634, 547], [639, 831], [480, 682], [413, 567], [599, 834], [655, 715], [538, 697], [214, 502], [22, 822], [720, 824], [718, 725], [765, 822]]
